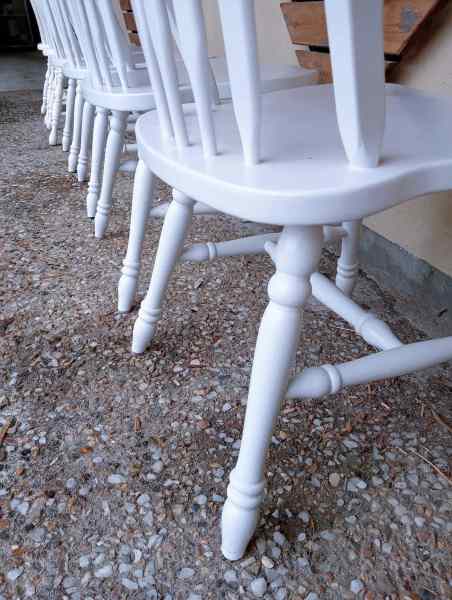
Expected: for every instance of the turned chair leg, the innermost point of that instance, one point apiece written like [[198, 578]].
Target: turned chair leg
[[45, 91], [172, 238], [97, 159], [57, 107], [296, 256], [143, 191], [87, 131], [348, 265], [113, 151], [50, 99], [77, 131], [69, 121]]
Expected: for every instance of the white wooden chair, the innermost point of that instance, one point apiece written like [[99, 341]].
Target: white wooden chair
[[301, 158], [119, 84], [45, 46]]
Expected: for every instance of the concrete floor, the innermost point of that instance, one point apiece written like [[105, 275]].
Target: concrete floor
[[21, 71]]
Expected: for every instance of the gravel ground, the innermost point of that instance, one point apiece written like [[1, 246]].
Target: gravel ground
[[113, 469]]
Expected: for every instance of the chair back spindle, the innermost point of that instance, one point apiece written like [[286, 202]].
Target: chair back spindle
[[240, 40], [193, 40], [355, 32], [161, 38]]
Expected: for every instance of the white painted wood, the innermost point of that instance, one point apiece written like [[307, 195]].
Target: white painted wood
[[348, 263], [374, 331], [69, 122], [143, 190], [85, 142], [193, 40], [115, 143], [161, 209], [329, 379], [172, 238], [296, 255], [307, 159], [57, 106], [243, 246], [239, 32], [97, 159], [355, 34], [45, 91], [77, 131]]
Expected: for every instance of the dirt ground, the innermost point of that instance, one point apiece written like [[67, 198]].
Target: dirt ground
[[113, 468]]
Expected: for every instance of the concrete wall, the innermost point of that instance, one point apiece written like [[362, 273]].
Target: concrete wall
[[423, 226]]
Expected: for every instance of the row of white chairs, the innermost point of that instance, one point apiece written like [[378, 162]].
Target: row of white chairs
[[313, 159]]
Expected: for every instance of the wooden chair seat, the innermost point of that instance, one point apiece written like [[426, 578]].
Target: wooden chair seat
[[290, 184]]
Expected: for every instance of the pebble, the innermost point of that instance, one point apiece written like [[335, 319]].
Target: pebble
[[84, 562], [143, 500], [258, 587], [355, 484], [305, 517], [328, 536], [186, 573], [356, 586], [129, 584], [157, 467], [312, 596], [279, 538], [104, 572], [201, 500], [230, 576], [267, 562], [14, 574], [334, 479], [116, 479], [71, 484]]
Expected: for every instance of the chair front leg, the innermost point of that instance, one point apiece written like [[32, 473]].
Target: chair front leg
[[113, 151], [296, 256], [143, 191], [45, 90], [77, 131], [348, 263], [57, 107], [87, 134], [172, 238], [97, 159], [50, 99], [69, 121]]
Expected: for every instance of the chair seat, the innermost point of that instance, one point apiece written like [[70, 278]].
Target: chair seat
[[139, 97], [305, 177]]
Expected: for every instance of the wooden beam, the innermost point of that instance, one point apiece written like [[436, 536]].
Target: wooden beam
[[306, 22]]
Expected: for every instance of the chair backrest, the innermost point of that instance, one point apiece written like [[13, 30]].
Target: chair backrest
[[71, 44], [100, 27], [49, 22], [42, 26], [356, 40]]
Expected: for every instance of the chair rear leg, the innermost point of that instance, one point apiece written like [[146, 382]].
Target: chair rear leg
[[77, 131], [69, 121], [113, 151], [172, 238], [143, 190], [97, 159], [86, 137], [348, 263]]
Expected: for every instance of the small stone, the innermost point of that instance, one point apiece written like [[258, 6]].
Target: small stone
[[267, 562], [420, 521], [84, 562], [201, 500], [71, 484], [334, 479], [104, 572], [312, 596], [301, 537], [186, 573], [279, 538], [157, 467], [328, 536], [129, 584], [356, 586], [258, 587], [386, 548], [230, 576], [226, 407], [305, 517], [14, 574], [143, 500], [116, 479]]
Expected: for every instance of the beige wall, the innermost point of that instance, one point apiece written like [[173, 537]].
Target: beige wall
[[424, 225]]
